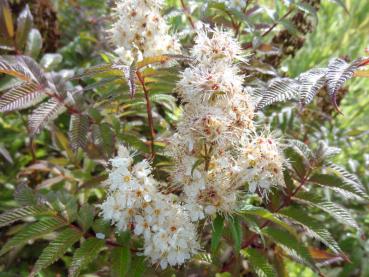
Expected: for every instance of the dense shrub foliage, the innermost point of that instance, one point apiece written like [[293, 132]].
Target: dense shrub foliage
[[181, 138]]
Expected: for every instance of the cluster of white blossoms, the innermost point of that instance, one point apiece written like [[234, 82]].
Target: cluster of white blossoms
[[135, 204], [260, 164], [140, 31], [216, 151]]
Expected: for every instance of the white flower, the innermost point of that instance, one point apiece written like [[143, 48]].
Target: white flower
[[217, 113], [134, 202], [215, 44], [261, 164], [142, 169], [142, 226], [174, 242], [201, 82], [140, 31]]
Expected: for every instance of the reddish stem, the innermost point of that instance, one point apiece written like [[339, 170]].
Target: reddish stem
[[149, 113], [187, 13]]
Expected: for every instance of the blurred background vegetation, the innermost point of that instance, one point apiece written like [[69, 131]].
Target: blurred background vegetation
[[74, 29]]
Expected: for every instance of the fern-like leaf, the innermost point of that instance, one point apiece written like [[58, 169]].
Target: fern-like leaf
[[279, 90], [349, 177], [313, 227], [15, 69], [38, 74], [336, 211], [46, 112], [345, 187], [310, 83], [33, 231], [301, 148], [56, 249], [14, 215], [265, 214], [259, 263], [79, 125], [21, 97], [24, 195], [294, 248], [93, 70], [339, 71], [85, 255]]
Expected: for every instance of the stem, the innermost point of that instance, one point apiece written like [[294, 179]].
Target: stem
[[248, 45], [275, 24], [149, 113], [187, 13]]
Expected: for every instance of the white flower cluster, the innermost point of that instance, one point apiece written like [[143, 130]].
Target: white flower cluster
[[134, 203], [216, 152], [140, 31], [215, 149], [260, 164]]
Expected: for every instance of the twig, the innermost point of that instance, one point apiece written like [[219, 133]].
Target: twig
[[187, 13], [248, 45], [275, 24], [149, 113]]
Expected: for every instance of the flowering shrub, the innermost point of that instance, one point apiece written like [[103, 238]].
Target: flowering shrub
[[174, 166]]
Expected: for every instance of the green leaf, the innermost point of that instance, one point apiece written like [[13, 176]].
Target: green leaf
[[85, 255], [34, 43], [24, 25], [338, 184], [78, 131], [123, 238], [263, 213], [236, 231], [138, 267], [22, 96], [313, 227], [25, 196], [218, 227], [33, 231], [14, 215], [253, 226], [64, 143], [6, 19], [258, 262], [43, 114], [86, 216], [298, 162], [336, 211], [289, 244], [121, 261], [56, 249], [51, 61], [104, 137]]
